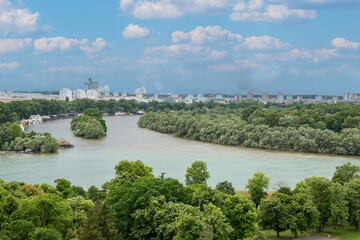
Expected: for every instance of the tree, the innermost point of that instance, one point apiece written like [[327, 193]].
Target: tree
[[226, 187], [197, 173], [353, 201], [345, 173], [273, 215], [15, 130], [100, 224], [46, 234], [329, 199], [63, 186], [128, 197], [257, 186]]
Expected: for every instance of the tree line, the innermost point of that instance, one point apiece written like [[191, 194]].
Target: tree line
[[135, 204], [334, 117], [234, 127], [12, 138], [89, 125]]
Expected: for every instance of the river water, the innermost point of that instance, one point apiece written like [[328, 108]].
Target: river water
[[91, 162]]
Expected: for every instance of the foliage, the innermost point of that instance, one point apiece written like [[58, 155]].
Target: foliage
[[197, 173], [257, 186], [345, 173], [225, 187]]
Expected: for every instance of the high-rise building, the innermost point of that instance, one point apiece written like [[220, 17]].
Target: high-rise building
[[79, 94], [92, 93], [237, 98], [66, 93], [280, 97], [250, 95], [265, 96]]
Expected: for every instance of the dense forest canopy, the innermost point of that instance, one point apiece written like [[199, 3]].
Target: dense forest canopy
[[333, 129], [334, 117], [138, 205]]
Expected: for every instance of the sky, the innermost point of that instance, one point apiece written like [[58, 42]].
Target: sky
[[182, 46]]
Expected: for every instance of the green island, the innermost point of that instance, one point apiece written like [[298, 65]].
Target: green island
[[322, 128], [89, 125], [14, 140], [135, 204]]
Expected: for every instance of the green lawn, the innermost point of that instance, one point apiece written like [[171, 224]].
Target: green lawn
[[344, 234]]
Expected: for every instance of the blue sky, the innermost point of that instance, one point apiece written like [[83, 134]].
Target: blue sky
[[184, 46]]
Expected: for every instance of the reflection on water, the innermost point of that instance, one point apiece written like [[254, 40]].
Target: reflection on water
[[91, 162]]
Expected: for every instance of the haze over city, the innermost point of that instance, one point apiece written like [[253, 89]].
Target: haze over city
[[307, 47]]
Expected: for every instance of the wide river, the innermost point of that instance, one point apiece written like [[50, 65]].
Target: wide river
[[91, 162]]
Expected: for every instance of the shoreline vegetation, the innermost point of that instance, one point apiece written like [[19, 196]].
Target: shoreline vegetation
[[89, 125], [135, 204], [253, 127], [14, 140]]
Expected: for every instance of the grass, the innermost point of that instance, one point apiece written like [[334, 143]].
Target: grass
[[343, 234]]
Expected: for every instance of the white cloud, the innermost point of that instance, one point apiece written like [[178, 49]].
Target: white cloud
[[10, 65], [201, 35], [236, 65], [12, 44], [296, 55], [17, 21], [263, 43], [57, 43], [135, 31], [190, 52], [76, 69], [156, 9], [147, 9], [97, 46], [344, 43], [64, 44], [255, 10]]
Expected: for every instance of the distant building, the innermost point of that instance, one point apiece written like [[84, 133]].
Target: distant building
[[299, 98], [289, 97], [92, 93], [237, 98], [318, 98], [265, 96], [189, 99], [66, 93], [80, 94], [219, 96], [280, 97], [116, 94], [139, 96], [124, 94], [250, 95]]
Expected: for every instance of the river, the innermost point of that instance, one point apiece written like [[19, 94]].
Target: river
[[91, 162]]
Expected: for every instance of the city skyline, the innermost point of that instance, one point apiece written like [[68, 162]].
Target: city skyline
[[230, 47]]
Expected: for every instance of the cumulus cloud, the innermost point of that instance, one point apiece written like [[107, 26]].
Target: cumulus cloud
[[17, 21], [297, 54], [10, 65], [63, 44], [236, 65], [57, 43], [97, 46], [141, 89], [135, 31], [344, 43], [262, 43], [12, 44], [76, 69], [191, 52], [147, 9], [257, 10], [104, 89], [201, 35]]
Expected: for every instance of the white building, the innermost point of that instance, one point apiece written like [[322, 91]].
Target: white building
[[66, 93], [92, 93], [80, 94], [139, 96], [189, 99], [124, 94], [116, 94]]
